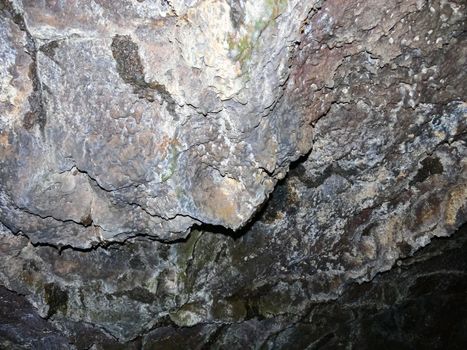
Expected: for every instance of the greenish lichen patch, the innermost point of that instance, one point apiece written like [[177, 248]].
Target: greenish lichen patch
[[188, 315], [173, 162], [185, 257], [56, 298], [277, 7], [230, 309], [241, 46], [185, 250], [273, 304]]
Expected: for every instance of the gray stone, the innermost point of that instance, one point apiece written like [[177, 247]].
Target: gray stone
[[207, 172]]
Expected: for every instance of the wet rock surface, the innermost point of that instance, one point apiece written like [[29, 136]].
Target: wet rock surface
[[168, 181]]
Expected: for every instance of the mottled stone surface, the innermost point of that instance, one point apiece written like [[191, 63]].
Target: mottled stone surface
[[21, 327], [420, 304], [126, 118], [137, 135]]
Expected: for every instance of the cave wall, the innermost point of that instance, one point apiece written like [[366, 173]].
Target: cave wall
[[224, 174], [420, 304]]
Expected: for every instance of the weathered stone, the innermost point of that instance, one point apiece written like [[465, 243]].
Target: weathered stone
[[217, 173], [153, 107]]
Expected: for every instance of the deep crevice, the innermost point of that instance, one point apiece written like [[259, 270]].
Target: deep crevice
[[260, 212]]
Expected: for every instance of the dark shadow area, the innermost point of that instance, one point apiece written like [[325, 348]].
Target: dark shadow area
[[419, 304]]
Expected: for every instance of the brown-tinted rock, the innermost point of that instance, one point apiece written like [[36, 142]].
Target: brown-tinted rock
[[218, 173]]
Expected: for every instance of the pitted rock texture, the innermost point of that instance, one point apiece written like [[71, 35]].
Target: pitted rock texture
[[130, 118], [136, 135]]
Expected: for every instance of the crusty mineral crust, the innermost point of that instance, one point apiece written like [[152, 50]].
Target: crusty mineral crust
[[134, 118], [126, 119]]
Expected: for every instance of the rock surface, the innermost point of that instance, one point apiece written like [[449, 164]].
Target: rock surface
[[129, 118], [220, 172], [408, 307]]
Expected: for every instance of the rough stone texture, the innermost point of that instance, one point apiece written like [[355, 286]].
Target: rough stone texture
[[125, 123], [420, 304], [21, 326], [143, 117]]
